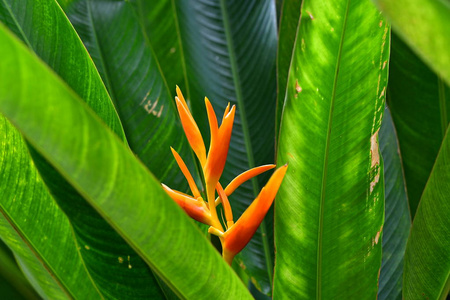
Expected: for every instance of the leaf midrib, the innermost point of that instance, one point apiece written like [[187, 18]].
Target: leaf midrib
[[243, 117], [325, 165]]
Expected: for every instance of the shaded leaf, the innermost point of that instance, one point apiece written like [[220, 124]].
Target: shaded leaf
[[427, 259], [420, 105], [397, 218], [330, 207], [425, 27], [230, 51]]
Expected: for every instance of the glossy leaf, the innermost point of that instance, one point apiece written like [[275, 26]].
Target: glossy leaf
[[113, 35], [425, 27], [289, 22], [397, 218], [110, 177], [230, 51], [78, 71], [162, 30], [330, 207], [420, 104], [51, 36], [34, 227], [427, 257]]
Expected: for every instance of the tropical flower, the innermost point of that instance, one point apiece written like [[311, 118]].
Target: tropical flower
[[235, 236]]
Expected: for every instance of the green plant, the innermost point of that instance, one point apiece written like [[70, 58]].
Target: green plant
[[88, 118]]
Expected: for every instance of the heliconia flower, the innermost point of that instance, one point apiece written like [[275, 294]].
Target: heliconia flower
[[196, 209], [238, 235], [190, 128]]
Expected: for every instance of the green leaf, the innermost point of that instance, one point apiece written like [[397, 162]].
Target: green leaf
[[13, 284], [51, 36], [420, 104], [44, 34], [289, 22], [34, 227], [135, 82], [330, 207], [397, 218], [160, 22], [230, 53], [425, 27], [70, 136], [427, 257]]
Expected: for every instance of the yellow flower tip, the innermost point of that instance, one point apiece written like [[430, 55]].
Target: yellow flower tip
[[211, 118], [197, 210], [227, 110], [238, 235], [180, 96]]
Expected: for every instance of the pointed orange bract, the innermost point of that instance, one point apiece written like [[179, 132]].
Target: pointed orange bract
[[197, 210], [190, 128], [186, 174], [220, 142], [238, 236]]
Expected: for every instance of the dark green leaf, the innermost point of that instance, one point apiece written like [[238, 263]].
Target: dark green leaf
[[74, 140], [420, 106], [330, 207], [230, 52], [397, 218], [427, 257]]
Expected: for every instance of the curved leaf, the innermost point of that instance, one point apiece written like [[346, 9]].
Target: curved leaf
[[51, 36], [230, 52], [425, 26], [427, 258], [397, 220], [330, 207], [110, 177], [161, 27], [420, 105], [48, 28], [289, 22], [114, 37], [34, 227]]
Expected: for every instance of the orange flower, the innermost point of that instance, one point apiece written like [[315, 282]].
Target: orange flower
[[235, 236]]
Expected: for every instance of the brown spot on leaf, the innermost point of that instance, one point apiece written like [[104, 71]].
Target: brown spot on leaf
[[298, 88]]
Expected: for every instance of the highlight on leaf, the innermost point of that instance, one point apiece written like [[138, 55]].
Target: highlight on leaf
[[233, 236]]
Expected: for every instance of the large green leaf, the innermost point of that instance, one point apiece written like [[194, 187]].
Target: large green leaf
[[34, 227], [230, 51], [51, 36], [397, 218], [113, 35], [161, 26], [420, 104], [425, 26], [49, 28], [70, 136], [330, 207], [289, 22], [427, 257]]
